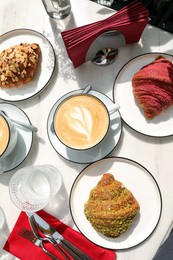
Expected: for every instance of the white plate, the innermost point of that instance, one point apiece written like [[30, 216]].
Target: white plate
[[25, 137], [99, 151], [138, 180], [45, 68], [132, 114]]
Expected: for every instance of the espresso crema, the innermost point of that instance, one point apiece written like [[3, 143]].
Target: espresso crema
[[81, 121], [4, 134]]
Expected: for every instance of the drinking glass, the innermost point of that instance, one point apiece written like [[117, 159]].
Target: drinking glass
[[57, 9], [31, 188], [105, 2]]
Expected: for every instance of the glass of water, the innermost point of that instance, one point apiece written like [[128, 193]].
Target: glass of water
[[31, 188], [105, 2], [57, 9]]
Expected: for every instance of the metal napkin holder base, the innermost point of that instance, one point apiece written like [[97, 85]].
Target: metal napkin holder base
[[104, 49]]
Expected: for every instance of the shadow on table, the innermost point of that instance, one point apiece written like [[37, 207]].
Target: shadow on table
[[4, 233], [59, 206]]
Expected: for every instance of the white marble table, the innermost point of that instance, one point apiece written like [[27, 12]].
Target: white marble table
[[154, 153]]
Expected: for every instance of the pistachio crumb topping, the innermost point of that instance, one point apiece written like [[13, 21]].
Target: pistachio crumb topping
[[111, 207]]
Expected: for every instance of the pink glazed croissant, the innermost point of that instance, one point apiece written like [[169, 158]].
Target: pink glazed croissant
[[153, 86]]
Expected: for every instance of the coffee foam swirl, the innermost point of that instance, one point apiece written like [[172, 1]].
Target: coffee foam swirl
[[81, 121]]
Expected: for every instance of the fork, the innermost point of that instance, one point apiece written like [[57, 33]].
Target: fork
[[27, 234], [38, 236]]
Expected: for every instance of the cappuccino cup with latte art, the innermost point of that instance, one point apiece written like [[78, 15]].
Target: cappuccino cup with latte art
[[8, 138], [81, 121]]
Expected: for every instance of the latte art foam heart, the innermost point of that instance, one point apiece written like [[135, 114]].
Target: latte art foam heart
[[81, 121], [4, 135]]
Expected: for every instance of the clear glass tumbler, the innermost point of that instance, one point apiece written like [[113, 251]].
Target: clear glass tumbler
[[57, 9], [105, 2], [31, 188]]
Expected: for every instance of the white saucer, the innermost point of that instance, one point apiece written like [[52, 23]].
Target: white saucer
[[45, 68], [25, 137], [96, 153]]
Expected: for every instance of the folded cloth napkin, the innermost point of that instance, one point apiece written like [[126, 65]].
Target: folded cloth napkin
[[130, 22], [26, 250]]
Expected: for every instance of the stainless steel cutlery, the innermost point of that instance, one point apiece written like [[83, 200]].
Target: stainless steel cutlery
[[43, 233], [27, 234], [35, 231]]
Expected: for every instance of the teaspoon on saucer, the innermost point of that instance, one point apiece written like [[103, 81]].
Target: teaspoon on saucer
[[87, 89], [27, 126]]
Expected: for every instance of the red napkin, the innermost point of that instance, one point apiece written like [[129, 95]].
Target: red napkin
[[25, 250], [130, 21]]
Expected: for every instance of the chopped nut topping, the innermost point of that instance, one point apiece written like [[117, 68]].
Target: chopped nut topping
[[18, 64]]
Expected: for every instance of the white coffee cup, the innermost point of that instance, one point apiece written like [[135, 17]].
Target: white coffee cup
[[2, 218], [8, 138], [81, 121]]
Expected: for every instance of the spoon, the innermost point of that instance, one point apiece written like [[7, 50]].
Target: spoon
[[27, 126], [87, 89], [48, 238]]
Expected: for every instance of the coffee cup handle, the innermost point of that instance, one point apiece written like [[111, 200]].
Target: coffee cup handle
[[1, 167], [113, 108]]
